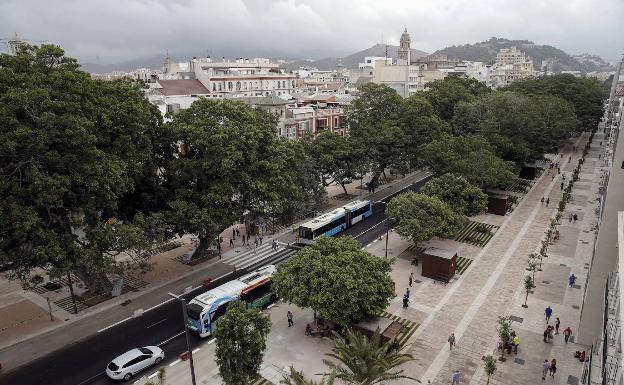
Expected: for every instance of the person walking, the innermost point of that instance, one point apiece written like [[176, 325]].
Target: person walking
[[233, 233], [289, 315], [542, 201], [567, 332], [411, 278], [407, 293], [550, 332], [561, 186], [557, 323], [548, 313], [232, 241], [455, 378], [405, 301], [545, 369], [237, 232], [515, 342], [451, 341], [261, 240], [570, 217], [546, 335], [547, 201], [575, 217], [553, 367], [243, 239]]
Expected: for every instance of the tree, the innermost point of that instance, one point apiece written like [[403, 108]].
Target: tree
[[230, 163], [296, 378], [375, 130], [421, 217], [358, 359], [420, 124], [528, 285], [504, 333], [241, 342], [585, 95], [489, 366], [469, 156], [445, 94], [336, 278], [462, 197], [335, 158], [73, 151]]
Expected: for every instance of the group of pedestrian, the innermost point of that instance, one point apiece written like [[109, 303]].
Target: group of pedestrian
[[547, 201], [572, 217], [274, 244], [549, 368]]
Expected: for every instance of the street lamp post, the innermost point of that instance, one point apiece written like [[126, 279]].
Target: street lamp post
[[188, 336], [387, 233]]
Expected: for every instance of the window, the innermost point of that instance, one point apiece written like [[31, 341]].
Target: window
[[360, 211], [238, 86], [214, 87]]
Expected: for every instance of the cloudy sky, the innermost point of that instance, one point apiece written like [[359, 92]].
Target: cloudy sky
[[110, 31]]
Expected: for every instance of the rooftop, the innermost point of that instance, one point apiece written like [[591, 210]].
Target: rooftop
[[182, 87]]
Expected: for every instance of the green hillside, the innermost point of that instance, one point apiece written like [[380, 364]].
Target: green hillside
[[485, 51]]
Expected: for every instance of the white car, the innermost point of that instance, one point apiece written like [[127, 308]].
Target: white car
[[133, 361]]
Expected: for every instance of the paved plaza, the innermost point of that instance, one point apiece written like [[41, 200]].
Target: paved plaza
[[490, 285]]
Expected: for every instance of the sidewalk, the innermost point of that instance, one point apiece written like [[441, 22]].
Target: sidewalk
[[68, 328]]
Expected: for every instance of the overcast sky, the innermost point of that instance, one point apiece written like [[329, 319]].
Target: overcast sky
[[110, 31]]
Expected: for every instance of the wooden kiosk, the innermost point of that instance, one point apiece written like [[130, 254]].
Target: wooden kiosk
[[388, 329], [439, 264], [497, 204]]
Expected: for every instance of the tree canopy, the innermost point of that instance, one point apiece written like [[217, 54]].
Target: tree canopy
[[338, 279], [445, 94], [241, 342], [469, 156], [459, 194], [230, 162], [421, 217], [585, 95], [72, 150]]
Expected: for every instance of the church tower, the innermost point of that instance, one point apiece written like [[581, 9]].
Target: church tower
[[404, 48]]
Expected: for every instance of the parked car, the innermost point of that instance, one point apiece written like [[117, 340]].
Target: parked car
[[133, 361]]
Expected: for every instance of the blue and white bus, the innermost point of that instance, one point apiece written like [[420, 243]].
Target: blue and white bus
[[334, 222], [253, 289]]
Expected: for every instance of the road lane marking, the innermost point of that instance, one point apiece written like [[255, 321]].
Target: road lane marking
[[152, 375], [175, 362], [159, 322], [369, 229], [171, 338], [91, 378], [212, 341]]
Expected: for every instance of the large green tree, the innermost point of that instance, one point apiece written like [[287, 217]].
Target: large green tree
[[462, 196], [72, 152], [375, 129], [469, 156], [335, 157], [359, 360], [584, 94], [338, 279], [241, 342], [445, 94], [230, 163], [421, 217]]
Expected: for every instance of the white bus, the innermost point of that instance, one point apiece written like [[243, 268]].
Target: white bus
[[253, 289], [335, 221]]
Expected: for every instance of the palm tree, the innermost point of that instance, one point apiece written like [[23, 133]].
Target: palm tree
[[296, 378], [360, 360]]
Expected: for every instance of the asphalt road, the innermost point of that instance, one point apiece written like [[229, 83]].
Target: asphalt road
[[84, 362]]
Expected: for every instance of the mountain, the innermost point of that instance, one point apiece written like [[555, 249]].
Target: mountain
[[485, 51], [130, 65], [351, 61]]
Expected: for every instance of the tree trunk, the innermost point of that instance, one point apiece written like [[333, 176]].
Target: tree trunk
[[344, 188], [202, 249], [96, 281]]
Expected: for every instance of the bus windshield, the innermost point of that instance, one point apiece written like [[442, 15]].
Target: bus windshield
[[305, 233], [194, 311]]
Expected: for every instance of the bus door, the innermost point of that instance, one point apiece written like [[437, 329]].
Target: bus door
[[348, 217]]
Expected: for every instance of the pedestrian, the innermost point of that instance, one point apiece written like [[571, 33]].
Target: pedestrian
[[558, 170], [553, 367], [407, 293], [550, 332], [515, 342], [563, 177], [243, 239], [289, 315], [232, 241], [237, 232], [405, 301], [546, 335], [256, 241], [455, 377], [429, 382], [575, 217], [548, 312], [570, 159], [557, 323], [260, 239], [451, 341], [545, 369], [411, 278], [561, 186], [553, 177], [572, 280], [567, 332], [570, 217], [233, 233], [542, 201], [547, 201]]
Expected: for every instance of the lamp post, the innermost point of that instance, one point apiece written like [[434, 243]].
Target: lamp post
[[188, 336], [387, 229]]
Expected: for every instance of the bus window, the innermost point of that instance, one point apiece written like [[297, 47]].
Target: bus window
[[218, 312], [305, 233], [193, 311]]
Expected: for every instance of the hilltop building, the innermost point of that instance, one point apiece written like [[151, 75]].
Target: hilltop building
[[511, 65]]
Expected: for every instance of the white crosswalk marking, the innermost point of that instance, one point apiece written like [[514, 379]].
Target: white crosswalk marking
[[249, 257]]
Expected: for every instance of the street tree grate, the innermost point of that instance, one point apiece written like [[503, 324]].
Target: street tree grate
[[462, 265], [575, 307], [572, 380], [516, 319], [519, 361], [409, 327]]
